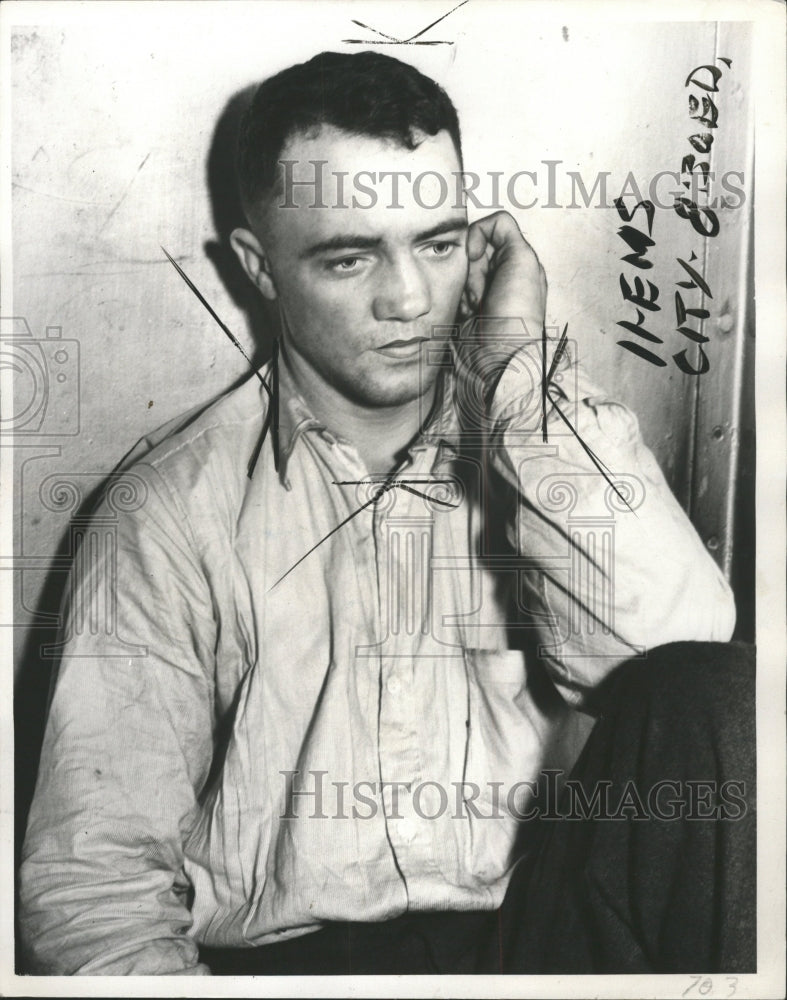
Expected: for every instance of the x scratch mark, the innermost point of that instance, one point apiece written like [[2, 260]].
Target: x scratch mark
[[402, 484], [392, 40]]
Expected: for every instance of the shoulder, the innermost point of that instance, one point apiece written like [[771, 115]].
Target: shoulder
[[197, 463], [233, 416]]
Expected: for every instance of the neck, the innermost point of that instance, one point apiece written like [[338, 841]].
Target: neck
[[379, 433]]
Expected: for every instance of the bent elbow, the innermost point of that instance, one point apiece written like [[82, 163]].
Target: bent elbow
[[701, 610]]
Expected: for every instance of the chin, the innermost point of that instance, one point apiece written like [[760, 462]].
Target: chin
[[379, 393]]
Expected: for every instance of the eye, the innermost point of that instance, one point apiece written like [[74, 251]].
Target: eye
[[442, 248], [344, 264]]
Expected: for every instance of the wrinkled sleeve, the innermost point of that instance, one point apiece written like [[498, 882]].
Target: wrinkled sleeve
[[127, 747], [614, 566]]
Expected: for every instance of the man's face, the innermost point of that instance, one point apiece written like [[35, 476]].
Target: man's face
[[361, 289]]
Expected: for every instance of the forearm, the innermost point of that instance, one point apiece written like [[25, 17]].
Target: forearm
[[87, 919], [615, 565], [101, 884]]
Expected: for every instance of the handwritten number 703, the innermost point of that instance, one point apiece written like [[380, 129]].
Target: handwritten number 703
[[703, 986]]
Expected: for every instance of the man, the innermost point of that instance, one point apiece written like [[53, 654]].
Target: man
[[369, 609]]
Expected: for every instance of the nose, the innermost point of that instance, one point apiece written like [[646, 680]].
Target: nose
[[403, 293]]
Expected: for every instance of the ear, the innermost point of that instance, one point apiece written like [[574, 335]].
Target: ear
[[253, 260]]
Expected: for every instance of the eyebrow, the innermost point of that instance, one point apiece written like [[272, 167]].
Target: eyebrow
[[358, 242]]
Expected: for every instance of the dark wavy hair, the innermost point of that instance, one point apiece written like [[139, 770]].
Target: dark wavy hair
[[363, 93]]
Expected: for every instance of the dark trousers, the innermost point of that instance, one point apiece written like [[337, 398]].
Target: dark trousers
[[650, 867]]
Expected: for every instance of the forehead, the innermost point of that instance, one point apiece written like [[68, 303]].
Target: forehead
[[333, 182]]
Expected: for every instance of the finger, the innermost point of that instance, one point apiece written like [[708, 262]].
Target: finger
[[465, 309], [498, 231], [477, 241], [476, 281]]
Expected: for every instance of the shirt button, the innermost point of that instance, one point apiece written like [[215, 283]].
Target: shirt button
[[407, 830], [394, 686]]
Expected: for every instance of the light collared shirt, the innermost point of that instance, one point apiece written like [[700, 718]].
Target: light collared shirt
[[302, 694]]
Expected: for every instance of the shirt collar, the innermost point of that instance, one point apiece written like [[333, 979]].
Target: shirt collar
[[294, 418]]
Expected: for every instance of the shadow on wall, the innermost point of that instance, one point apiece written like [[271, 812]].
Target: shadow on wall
[[262, 318], [35, 671]]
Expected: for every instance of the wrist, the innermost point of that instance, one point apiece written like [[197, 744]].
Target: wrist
[[485, 346]]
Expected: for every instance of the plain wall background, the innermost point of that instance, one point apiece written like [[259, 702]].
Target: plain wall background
[[115, 152]]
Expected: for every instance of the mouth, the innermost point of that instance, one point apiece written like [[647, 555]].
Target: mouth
[[402, 349]]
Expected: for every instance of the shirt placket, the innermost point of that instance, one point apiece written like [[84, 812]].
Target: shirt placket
[[403, 528]]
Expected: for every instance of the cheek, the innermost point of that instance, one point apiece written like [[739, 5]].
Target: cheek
[[326, 321], [310, 306], [451, 282], [344, 311]]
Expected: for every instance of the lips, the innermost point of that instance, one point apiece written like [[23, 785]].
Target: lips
[[402, 348]]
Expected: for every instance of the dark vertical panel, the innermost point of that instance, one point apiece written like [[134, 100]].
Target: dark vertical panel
[[744, 527]]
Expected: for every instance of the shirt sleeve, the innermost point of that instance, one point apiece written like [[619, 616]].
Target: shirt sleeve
[[127, 748], [613, 565]]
